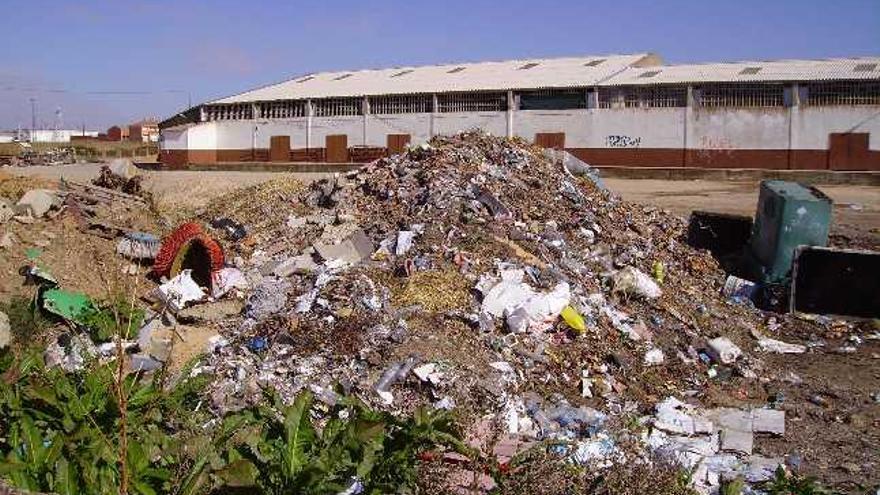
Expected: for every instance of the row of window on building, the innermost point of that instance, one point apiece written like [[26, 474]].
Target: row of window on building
[[710, 96]]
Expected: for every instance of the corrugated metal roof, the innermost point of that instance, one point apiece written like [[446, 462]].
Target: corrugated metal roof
[[757, 71], [483, 76]]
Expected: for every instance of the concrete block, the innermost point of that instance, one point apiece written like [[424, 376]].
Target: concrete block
[[296, 264], [36, 202], [768, 421], [737, 440], [353, 249]]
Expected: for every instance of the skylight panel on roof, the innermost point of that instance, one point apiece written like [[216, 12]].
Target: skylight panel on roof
[[344, 76], [307, 78], [593, 63], [402, 73], [528, 66], [749, 71], [649, 73], [864, 67], [453, 71]]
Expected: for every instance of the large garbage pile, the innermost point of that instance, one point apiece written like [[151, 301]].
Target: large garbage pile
[[475, 273], [484, 274]]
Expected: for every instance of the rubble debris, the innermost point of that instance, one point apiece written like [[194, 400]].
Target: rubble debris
[[738, 289], [522, 307], [179, 291], [631, 282], [234, 231], [780, 347], [723, 350], [120, 181], [69, 352], [36, 203], [351, 250], [138, 246]]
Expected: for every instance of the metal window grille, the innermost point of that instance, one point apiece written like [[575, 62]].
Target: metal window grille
[[331, 107], [235, 111], [401, 104], [553, 99], [472, 102], [643, 97], [741, 95], [282, 109], [843, 93]]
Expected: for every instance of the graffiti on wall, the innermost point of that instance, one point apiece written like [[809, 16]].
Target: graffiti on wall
[[715, 142], [620, 141]]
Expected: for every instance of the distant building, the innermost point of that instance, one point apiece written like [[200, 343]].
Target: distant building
[[145, 131], [614, 110], [54, 135], [116, 133]]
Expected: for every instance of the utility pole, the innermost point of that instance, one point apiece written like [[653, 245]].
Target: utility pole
[[33, 117]]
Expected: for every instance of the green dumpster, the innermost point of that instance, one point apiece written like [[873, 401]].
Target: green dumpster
[[789, 215]]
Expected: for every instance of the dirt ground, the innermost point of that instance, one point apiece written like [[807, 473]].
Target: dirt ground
[[832, 400]]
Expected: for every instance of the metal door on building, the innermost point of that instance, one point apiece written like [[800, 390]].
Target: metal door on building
[[555, 140], [397, 143], [337, 148], [848, 151], [279, 149]]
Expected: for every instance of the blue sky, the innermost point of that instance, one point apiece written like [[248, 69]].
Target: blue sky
[[108, 62]]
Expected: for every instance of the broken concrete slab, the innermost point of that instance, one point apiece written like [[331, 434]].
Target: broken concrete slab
[[768, 421], [142, 362], [302, 264], [737, 440], [36, 203], [495, 207], [780, 347], [351, 250]]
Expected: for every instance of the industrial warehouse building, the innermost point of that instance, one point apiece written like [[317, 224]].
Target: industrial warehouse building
[[627, 110]]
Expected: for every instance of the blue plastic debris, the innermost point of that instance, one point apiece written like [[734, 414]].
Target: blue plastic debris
[[258, 344]]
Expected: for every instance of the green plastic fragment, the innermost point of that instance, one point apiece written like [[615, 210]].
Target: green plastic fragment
[[72, 306]]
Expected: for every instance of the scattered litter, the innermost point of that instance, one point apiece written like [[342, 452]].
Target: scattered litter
[[632, 282], [723, 350], [780, 347], [138, 246], [179, 291]]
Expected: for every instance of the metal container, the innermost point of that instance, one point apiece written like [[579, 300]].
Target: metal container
[[789, 215]]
